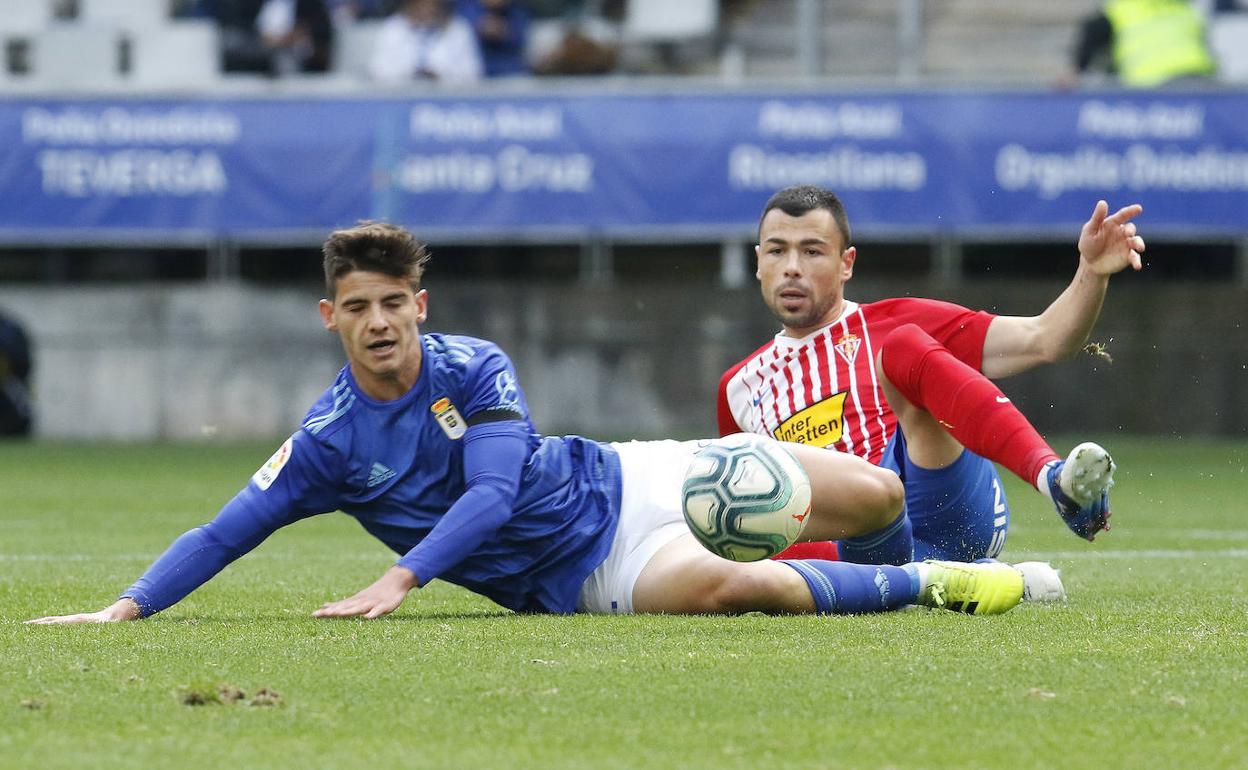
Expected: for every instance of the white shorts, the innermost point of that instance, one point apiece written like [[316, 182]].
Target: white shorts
[[651, 516]]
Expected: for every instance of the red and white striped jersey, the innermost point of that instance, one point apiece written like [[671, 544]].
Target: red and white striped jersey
[[823, 389]]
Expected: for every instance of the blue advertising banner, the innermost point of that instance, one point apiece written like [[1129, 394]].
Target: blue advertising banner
[[570, 165]]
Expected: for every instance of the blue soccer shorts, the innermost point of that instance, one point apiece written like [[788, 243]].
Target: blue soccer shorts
[[959, 512]]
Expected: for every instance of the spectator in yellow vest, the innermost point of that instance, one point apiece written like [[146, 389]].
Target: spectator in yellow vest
[[1145, 43]]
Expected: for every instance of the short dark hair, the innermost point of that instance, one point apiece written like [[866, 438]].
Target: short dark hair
[[802, 199], [376, 247]]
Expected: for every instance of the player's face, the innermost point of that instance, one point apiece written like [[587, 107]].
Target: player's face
[[802, 268], [378, 318]]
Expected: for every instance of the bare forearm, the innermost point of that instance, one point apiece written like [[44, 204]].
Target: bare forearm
[[1015, 344], [1067, 323]]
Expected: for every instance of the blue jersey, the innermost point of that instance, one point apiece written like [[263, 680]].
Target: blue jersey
[[452, 476]]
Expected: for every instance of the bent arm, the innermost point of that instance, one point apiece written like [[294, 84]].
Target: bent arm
[[1107, 245]]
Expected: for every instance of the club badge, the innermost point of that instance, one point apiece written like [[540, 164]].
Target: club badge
[[848, 346], [448, 418]]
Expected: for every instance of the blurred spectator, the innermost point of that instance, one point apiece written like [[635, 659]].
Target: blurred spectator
[[1146, 43], [15, 365], [274, 37], [424, 39], [502, 28], [585, 39]]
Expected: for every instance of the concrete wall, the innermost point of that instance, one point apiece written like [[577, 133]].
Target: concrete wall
[[181, 362]]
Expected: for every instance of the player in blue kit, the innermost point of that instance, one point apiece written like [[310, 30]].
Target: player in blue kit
[[426, 440]]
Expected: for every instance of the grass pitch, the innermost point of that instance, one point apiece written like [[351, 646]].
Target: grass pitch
[[1145, 666]]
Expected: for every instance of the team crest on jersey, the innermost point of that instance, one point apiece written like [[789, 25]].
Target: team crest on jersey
[[448, 418], [818, 425], [268, 472], [848, 346]]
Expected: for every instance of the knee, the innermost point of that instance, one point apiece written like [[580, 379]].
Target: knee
[[902, 351], [885, 497]]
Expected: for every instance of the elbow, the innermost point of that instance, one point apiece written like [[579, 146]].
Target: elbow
[[1064, 351]]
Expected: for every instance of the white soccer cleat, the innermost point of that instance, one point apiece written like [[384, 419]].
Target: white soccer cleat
[[1087, 473], [1041, 583]]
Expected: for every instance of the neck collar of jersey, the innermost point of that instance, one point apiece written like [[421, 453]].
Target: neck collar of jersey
[[784, 340]]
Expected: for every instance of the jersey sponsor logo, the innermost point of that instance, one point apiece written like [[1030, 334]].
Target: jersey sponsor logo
[[508, 390], [819, 425], [448, 418], [379, 474], [847, 346], [268, 472]]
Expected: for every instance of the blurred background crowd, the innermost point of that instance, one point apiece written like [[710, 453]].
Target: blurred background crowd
[[195, 43]]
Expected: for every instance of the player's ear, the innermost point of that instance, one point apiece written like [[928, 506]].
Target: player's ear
[[848, 257], [422, 306], [758, 248], [327, 315]]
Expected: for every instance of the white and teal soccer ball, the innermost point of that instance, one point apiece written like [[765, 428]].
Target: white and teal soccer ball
[[745, 497]]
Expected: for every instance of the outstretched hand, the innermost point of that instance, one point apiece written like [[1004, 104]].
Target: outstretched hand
[[122, 609], [378, 599], [1107, 244]]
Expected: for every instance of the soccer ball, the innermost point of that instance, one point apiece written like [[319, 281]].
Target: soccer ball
[[745, 497]]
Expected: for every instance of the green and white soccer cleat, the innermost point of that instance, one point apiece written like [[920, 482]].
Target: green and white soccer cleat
[[985, 588]]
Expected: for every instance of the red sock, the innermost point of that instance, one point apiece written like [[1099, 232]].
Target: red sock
[[967, 403], [810, 550]]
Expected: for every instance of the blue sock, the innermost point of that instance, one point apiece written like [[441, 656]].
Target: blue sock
[[845, 589], [892, 545]]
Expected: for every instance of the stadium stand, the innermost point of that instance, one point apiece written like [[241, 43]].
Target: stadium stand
[[69, 61]]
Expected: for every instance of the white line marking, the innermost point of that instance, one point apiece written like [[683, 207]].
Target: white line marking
[[1224, 553]]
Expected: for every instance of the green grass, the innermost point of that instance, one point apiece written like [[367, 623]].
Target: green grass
[[1145, 666]]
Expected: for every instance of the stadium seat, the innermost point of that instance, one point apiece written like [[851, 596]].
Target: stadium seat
[[130, 15], [353, 48], [23, 17], [1228, 37], [665, 20], [76, 56], [179, 54], [666, 33], [20, 20]]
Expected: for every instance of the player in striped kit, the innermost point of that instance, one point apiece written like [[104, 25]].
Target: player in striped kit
[[905, 383]]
